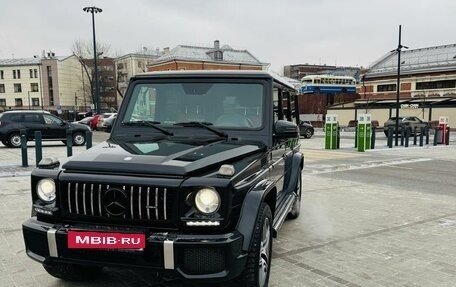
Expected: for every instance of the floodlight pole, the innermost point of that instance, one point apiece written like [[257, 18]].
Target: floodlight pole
[[94, 10]]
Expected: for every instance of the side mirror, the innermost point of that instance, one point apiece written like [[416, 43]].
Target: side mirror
[[285, 129]]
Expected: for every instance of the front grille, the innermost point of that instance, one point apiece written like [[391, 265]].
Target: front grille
[[118, 202]]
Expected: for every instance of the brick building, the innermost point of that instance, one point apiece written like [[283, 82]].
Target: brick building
[[107, 84], [185, 57]]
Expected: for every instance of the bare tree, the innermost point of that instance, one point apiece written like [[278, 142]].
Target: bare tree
[[83, 50]]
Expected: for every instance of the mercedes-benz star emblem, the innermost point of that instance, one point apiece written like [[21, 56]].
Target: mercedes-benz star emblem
[[115, 201]]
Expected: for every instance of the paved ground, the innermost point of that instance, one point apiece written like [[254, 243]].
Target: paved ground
[[381, 218]]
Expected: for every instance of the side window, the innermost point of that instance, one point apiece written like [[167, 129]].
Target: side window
[[51, 120], [32, 118], [17, 118]]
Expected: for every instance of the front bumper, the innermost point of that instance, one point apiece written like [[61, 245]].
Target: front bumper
[[194, 257]]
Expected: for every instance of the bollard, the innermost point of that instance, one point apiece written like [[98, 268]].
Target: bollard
[[407, 137], [447, 135], [402, 136], [435, 136], [38, 147], [426, 131], [23, 133], [373, 135], [88, 135], [69, 143], [356, 136], [414, 136], [390, 137], [421, 135]]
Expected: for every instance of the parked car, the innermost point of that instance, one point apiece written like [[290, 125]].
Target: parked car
[[201, 198], [409, 123], [85, 121], [51, 127], [102, 118], [306, 129], [107, 123]]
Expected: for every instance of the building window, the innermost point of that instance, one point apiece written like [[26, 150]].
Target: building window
[[2, 88], [34, 87], [35, 102], [49, 71], [18, 102], [1, 74], [120, 66], [31, 73], [386, 88], [35, 73], [18, 74], [447, 84], [14, 74], [2, 102], [17, 88]]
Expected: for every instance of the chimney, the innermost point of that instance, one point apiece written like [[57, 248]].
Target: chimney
[[216, 45]]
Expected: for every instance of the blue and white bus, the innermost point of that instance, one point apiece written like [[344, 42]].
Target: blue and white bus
[[327, 84]]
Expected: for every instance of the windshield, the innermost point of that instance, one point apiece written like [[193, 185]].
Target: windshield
[[224, 105]]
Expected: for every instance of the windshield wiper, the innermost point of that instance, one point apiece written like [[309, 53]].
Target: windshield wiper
[[151, 124], [205, 125]]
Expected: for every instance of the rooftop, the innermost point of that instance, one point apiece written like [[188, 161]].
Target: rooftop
[[415, 61], [19, 61], [198, 53]]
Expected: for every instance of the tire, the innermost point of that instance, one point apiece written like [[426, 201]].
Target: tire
[[79, 138], [256, 272], [72, 272], [296, 209], [14, 140], [307, 133]]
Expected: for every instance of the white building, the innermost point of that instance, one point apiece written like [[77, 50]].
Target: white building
[[20, 84], [131, 64], [51, 83]]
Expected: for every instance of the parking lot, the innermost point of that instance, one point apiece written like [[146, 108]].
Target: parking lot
[[385, 217]]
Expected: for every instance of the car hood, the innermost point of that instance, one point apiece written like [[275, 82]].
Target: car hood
[[161, 157]]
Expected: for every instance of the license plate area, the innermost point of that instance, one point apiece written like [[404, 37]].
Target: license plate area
[[105, 240]]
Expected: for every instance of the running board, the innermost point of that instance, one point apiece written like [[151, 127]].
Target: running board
[[282, 214]]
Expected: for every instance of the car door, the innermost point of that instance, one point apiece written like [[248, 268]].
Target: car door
[[55, 128], [33, 122]]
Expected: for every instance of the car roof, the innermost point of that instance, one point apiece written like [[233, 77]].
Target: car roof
[[26, 111], [216, 73]]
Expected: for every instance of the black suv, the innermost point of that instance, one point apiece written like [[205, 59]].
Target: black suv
[[51, 127], [199, 173]]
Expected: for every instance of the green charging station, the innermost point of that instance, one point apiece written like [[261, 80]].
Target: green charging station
[[331, 131], [364, 132]]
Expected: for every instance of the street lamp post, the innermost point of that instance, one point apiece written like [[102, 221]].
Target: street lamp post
[[398, 86], [95, 10]]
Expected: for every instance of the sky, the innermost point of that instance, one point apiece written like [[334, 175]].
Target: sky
[[280, 32]]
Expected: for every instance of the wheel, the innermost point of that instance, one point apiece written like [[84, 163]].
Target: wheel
[[296, 209], [72, 272], [258, 266], [14, 140], [79, 138], [308, 134]]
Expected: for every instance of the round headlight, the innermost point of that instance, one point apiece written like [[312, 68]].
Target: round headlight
[[207, 200], [46, 190]]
